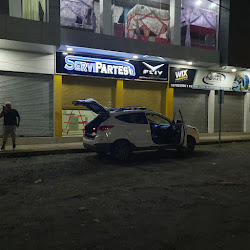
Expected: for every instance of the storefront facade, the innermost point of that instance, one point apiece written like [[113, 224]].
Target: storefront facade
[[26, 80], [171, 33], [196, 93], [169, 88], [133, 83]]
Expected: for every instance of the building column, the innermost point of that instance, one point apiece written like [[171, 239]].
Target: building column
[[247, 112], [57, 106], [119, 103], [106, 17], [175, 21], [211, 111], [167, 107]]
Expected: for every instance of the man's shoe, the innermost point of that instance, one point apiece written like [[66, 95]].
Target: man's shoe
[[14, 147], [2, 148]]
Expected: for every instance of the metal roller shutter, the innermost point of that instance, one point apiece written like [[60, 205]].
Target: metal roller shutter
[[194, 107], [232, 112], [32, 96], [143, 94], [75, 88]]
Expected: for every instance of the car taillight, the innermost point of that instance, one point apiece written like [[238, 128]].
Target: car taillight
[[104, 128]]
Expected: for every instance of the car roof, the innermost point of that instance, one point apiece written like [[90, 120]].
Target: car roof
[[123, 112]]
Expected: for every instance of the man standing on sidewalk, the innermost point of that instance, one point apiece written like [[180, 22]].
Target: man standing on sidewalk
[[11, 122]]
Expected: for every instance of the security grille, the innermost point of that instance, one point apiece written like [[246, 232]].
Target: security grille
[[32, 96], [194, 107], [232, 112]]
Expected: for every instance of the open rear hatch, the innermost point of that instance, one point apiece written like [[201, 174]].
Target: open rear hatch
[[96, 107], [92, 105]]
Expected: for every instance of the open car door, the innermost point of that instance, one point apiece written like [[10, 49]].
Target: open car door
[[181, 129], [92, 105]]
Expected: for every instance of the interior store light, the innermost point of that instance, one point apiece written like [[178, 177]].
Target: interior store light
[[127, 60], [69, 49], [234, 70], [190, 63], [135, 57], [65, 53], [213, 5]]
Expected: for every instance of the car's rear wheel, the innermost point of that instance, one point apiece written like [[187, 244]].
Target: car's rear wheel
[[121, 150], [190, 146]]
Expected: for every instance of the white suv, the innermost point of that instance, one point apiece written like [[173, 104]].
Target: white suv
[[121, 131]]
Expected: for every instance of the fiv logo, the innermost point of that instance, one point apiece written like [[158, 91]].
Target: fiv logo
[[181, 75], [152, 70]]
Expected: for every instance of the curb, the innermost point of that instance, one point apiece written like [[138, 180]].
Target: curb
[[38, 153], [16, 154]]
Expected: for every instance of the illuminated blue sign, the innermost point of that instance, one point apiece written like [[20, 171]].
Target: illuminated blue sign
[[99, 66], [107, 67]]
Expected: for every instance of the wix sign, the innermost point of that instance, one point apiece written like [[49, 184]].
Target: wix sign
[[181, 78], [181, 75]]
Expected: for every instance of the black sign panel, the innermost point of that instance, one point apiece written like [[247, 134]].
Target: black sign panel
[[151, 70], [106, 67], [181, 77]]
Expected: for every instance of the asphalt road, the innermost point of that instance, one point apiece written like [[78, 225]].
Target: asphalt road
[[155, 201]]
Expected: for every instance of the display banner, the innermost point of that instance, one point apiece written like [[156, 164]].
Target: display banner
[[241, 81], [181, 77], [113, 68], [213, 80], [209, 80]]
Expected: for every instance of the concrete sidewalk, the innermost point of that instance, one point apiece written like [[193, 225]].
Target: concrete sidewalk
[[45, 146]]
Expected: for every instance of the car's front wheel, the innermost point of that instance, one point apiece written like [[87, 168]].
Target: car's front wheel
[[190, 145], [121, 150]]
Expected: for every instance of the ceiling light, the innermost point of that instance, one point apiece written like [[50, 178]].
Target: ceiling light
[[190, 63], [127, 60], [69, 49], [199, 2], [213, 5], [135, 57], [65, 53], [234, 70]]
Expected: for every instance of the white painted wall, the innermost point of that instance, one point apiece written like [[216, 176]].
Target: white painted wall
[[15, 8], [211, 109], [175, 21], [247, 112], [106, 17], [28, 62]]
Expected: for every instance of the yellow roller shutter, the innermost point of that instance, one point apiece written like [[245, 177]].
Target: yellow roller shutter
[[146, 94], [74, 88]]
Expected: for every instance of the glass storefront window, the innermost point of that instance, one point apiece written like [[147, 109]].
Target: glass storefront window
[[148, 20], [79, 14], [36, 10], [74, 121], [142, 20], [199, 23]]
